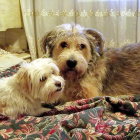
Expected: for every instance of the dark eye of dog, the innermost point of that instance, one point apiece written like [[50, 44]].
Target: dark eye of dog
[[82, 46], [43, 78], [63, 44], [53, 72]]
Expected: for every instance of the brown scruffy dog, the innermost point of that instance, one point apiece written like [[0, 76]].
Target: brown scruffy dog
[[89, 70]]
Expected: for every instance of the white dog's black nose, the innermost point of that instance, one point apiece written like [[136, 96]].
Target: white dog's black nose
[[71, 63], [58, 84]]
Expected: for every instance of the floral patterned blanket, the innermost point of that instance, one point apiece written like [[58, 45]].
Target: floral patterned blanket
[[102, 118]]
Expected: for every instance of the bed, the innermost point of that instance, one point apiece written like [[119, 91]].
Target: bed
[[102, 118]]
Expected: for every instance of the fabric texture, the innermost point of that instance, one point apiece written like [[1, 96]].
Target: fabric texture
[[10, 71], [98, 118], [8, 60], [102, 118]]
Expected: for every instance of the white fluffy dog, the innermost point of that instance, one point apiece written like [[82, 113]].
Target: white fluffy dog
[[34, 83]]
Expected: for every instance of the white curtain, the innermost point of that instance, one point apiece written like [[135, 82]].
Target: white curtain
[[118, 20]]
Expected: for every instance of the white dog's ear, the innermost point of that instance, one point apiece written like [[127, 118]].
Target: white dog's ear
[[24, 79], [95, 38]]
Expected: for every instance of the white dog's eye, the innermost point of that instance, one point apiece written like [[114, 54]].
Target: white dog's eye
[[63, 44], [43, 78], [82, 46]]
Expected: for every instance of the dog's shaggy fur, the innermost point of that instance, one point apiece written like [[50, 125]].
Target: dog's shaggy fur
[[88, 69], [34, 83]]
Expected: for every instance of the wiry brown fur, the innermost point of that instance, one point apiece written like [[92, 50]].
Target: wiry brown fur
[[98, 72], [123, 70]]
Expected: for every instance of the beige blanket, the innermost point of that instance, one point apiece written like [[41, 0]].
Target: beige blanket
[[8, 60]]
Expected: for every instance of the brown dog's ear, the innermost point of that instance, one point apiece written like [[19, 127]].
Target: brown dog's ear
[[95, 38], [23, 79], [47, 43]]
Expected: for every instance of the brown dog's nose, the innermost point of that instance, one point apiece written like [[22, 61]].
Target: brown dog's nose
[[58, 84], [71, 63]]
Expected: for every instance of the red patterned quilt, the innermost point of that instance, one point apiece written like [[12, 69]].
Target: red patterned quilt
[[102, 118]]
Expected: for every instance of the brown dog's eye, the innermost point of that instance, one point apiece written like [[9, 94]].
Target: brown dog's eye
[[82, 46], [63, 44], [43, 78]]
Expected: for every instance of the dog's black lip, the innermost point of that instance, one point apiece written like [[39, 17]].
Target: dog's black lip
[[70, 70], [59, 89], [64, 72]]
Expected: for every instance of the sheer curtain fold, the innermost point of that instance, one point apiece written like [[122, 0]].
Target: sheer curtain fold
[[118, 20], [27, 7]]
